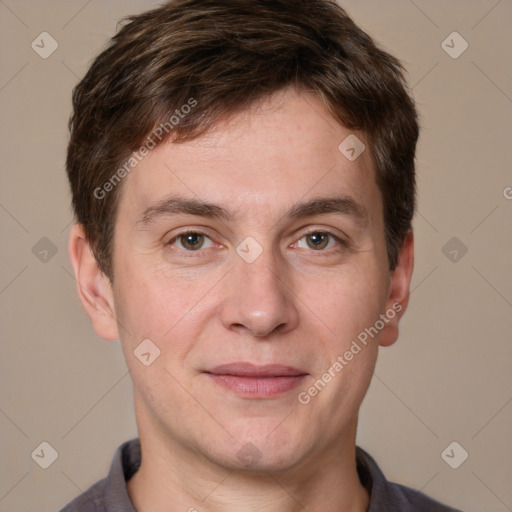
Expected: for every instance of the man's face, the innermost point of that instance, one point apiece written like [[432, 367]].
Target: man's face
[[255, 280]]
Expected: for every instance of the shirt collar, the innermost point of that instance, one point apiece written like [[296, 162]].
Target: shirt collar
[[127, 459]]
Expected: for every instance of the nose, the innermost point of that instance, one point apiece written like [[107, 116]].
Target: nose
[[258, 299]]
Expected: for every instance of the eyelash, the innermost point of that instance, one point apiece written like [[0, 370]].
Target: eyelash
[[339, 240]]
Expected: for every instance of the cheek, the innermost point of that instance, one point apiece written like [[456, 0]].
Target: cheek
[[154, 301], [343, 307], [346, 302], [169, 310]]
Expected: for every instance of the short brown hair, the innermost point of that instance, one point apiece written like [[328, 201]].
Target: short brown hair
[[226, 54]]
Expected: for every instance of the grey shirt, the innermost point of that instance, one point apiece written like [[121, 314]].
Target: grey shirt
[[111, 495]]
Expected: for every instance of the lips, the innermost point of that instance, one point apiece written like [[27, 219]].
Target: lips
[[254, 381], [251, 370]]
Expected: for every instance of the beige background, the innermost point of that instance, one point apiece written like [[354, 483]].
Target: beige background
[[447, 379]]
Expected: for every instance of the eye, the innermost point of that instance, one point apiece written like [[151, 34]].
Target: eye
[[191, 241], [318, 241]]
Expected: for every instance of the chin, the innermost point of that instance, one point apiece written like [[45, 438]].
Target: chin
[[261, 448], [251, 459]]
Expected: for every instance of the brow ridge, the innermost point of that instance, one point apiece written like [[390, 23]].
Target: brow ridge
[[177, 205]]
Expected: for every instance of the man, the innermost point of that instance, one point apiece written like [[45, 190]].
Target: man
[[243, 182]]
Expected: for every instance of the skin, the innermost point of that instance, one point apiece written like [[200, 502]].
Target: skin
[[296, 304]]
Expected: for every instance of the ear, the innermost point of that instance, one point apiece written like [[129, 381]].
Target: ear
[[94, 287], [399, 291]]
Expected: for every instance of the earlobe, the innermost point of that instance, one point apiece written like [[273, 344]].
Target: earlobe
[[399, 291], [94, 287]]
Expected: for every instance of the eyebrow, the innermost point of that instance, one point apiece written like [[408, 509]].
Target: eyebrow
[[343, 205], [340, 204], [184, 206]]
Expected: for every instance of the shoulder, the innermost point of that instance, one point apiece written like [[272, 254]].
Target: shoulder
[[111, 493], [91, 500], [388, 496], [415, 501]]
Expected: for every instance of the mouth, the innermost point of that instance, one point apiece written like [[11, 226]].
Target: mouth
[[254, 381]]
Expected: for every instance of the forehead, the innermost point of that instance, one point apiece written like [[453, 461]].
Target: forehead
[[281, 150]]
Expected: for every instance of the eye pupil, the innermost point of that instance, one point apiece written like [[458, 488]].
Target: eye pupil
[[317, 240], [192, 240]]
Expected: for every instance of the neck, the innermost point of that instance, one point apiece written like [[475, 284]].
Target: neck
[[176, 478]]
